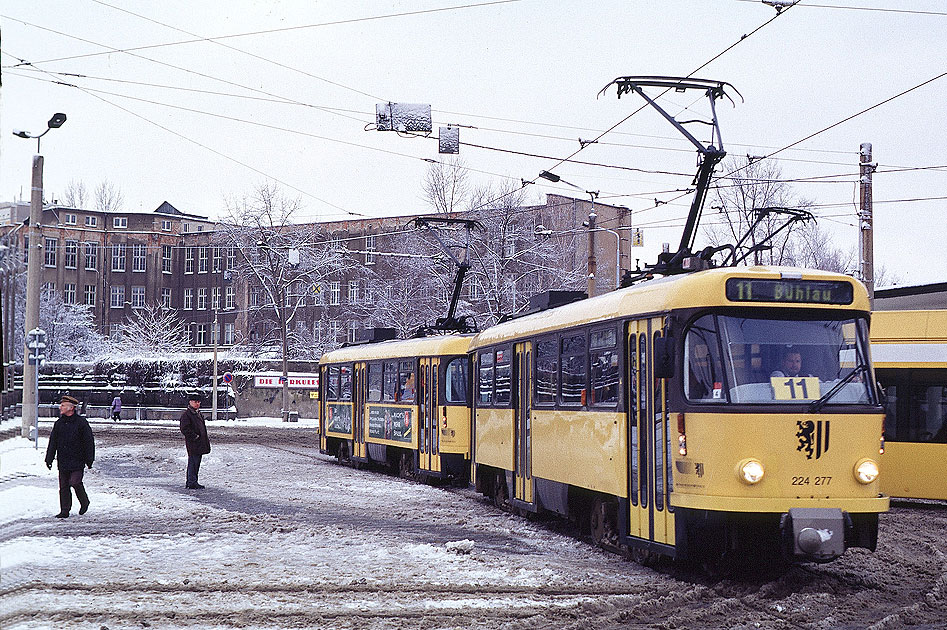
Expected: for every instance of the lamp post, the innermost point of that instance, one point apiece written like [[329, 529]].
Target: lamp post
[[592, 263], [33, 272]]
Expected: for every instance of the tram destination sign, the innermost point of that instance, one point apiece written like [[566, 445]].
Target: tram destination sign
[[790, 291]]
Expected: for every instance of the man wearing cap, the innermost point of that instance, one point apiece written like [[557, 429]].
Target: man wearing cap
[[195, 438], [72, 445]]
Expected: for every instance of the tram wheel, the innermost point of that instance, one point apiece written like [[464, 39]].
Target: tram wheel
[[406, 466], [603, 523], [500, 495]]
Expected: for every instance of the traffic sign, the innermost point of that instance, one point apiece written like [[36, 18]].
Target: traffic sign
[[228, 377]]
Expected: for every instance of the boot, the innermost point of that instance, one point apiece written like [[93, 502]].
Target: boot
[[83, 498], [65, 502]]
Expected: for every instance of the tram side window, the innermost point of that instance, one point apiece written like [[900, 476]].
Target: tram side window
[[573, 370], [345, 383], [703, 376], [408, 385], [390, 387], [485, 379], [374, 381], [332, 382], [547, 368], [455, 381], [504, 378], [916, 410], [604, 366]]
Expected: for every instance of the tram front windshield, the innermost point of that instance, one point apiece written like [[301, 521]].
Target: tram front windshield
[[756, 360]]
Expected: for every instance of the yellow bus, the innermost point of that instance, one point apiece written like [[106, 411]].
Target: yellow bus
[[909, 349], [713, 415], [400, 403]]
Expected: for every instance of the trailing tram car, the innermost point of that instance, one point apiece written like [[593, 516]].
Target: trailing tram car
[[909, 349], [399, 403], [667, 416]]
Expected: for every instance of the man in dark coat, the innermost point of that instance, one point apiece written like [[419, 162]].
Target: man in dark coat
[[71, 443], [195, 438]]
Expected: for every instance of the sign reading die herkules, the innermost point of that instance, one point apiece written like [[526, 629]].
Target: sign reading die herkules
[[296, 381]]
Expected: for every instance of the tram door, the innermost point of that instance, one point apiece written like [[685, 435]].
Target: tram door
[[648, 438], [428, 442], [522, 422], [359, 382]]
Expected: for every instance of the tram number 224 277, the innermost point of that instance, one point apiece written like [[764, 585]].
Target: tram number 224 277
[[811, 481]]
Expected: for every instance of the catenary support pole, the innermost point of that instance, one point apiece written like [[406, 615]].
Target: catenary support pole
[[865, 221], [34, 271]]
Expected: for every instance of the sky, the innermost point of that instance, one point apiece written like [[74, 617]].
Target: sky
[[200, 103]]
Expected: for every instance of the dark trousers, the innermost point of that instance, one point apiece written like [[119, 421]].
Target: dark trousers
[[193, 467], [69, 479]]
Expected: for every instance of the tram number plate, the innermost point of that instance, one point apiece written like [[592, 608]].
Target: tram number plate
[[811, 481], [795, 388]]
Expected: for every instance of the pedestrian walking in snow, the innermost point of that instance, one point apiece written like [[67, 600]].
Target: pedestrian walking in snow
[[72, 445], [117, 408], [195, 438]]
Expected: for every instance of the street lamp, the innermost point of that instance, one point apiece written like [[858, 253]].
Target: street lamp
[[54, 123], [592, 264], [33, 273]]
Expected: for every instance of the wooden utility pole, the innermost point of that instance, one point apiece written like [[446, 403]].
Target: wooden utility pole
[[866, 242]]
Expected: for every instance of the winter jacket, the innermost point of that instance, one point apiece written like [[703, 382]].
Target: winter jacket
[[195, 432], [71, 443], [116, 404]]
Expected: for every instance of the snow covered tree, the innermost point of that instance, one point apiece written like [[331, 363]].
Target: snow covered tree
[[70, 330], [108, 197], [75, 194], [154, 331], [445, 187], [280, 262]]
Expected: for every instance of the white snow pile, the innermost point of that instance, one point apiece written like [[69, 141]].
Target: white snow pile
[[460, 547]]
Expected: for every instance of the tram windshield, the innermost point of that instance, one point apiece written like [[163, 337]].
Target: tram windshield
[[756, 360]]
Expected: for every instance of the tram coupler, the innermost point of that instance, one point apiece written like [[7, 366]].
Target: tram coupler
[[816, 534]]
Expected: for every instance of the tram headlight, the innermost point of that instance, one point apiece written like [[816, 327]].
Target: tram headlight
[[750, 471], [866, 471]]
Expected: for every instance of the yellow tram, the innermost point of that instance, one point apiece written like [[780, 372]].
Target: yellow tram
[[667, 415], [400, 403], [909, 349]]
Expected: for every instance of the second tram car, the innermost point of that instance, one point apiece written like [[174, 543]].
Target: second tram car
[[718, 414], [909, 349], [400, 403]]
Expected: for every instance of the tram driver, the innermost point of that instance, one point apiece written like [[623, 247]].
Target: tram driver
[[790, 365]]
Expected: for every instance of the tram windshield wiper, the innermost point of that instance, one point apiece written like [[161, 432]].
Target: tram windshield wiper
[[817, 405]]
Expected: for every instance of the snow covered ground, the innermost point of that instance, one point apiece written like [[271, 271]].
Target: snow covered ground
[[284, 537]]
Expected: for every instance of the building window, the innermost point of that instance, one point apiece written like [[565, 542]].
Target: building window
[[115, 331], [70, 219], [117, 297], [202, 299], [201, 260], [188, 299], [50, 252], [335, 245], [166, 225], [71, 255], [138, 297], [228, 334], [188, 260], [48, 289], [166, 258], [230, 298], [352, 332], [231, 257], [26, 249], [91, 221], [335, 293], [166, 297], [118, 257], [200, 228], [200, 336], [218, 259], [69, 293], [370, 249], [88, 295], [333, 331], [254, 297], [215, 298], [185, 227], [138, 257], [120, 222], [91, 256]]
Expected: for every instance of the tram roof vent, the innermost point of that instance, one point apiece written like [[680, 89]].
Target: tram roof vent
[[552, 299], [375, 335]]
